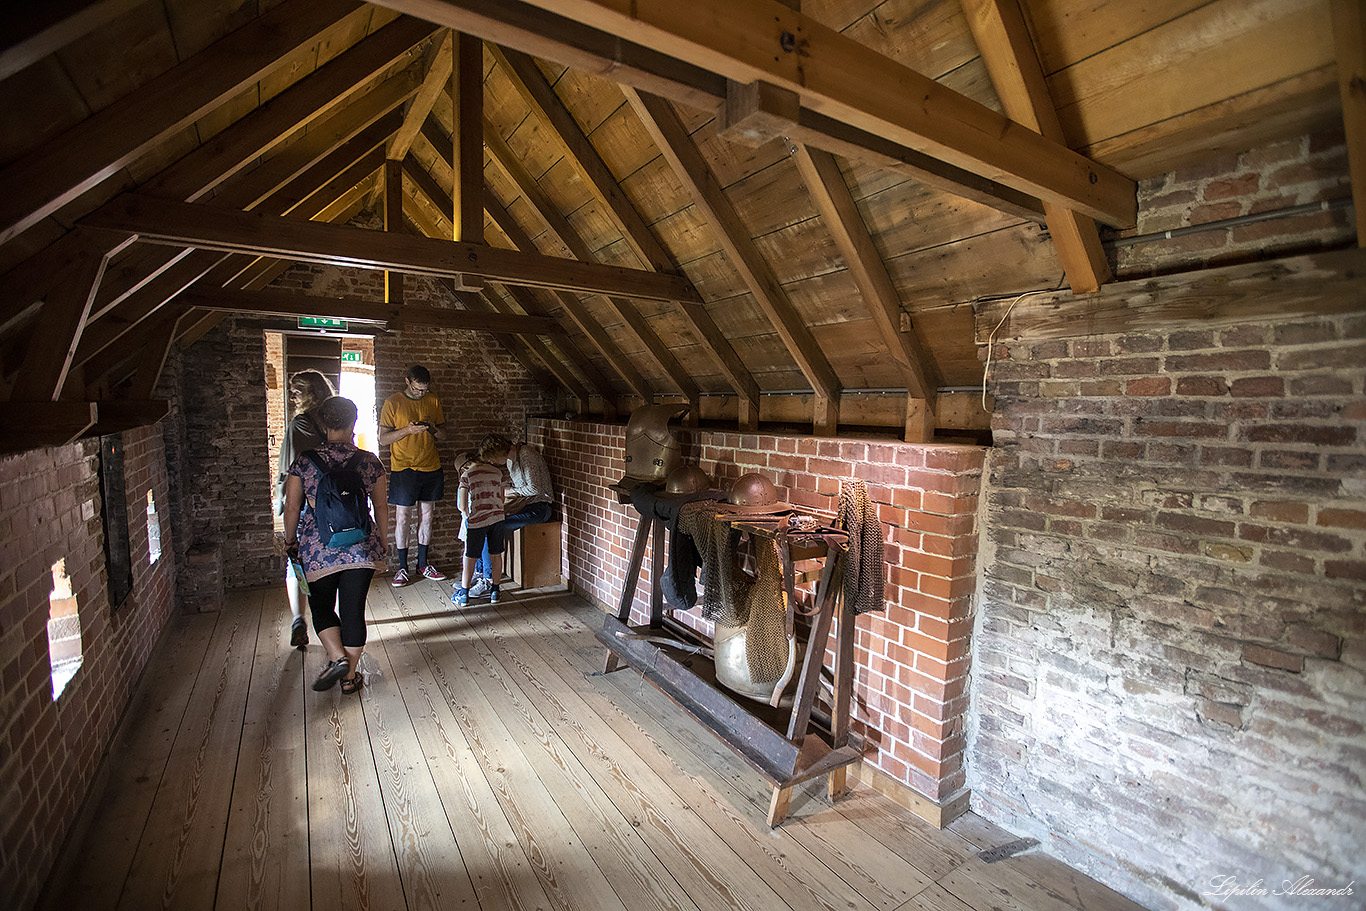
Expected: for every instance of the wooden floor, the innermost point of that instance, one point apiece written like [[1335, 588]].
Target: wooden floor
[[483, 767]]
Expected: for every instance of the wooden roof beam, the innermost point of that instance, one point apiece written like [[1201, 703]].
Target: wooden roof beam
[[682, 154], [186, 224], [757, 112], [526, 76], [1349, 37], [688, 51], [283, 303], [356, 159], [35, 30], [577, 310], [1011, 59], [58, 172], [433, 84], [424, 182], [561, 230], [302, 104], [422, 223], [836, 204]]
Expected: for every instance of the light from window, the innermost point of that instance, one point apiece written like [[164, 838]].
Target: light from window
[[153, 530], [63, 630]]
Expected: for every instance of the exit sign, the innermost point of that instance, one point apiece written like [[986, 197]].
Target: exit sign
[[352, 357], [321, 322]]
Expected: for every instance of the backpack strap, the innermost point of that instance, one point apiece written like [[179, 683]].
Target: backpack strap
[[312, 456]]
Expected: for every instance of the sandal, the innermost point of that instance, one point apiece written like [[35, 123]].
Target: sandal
[[334, 671], [351, 685]]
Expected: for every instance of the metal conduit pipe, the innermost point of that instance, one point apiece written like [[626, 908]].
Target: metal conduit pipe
[[1288, 212]]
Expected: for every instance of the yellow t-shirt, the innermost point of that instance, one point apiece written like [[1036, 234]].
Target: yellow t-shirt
[[419, 450]]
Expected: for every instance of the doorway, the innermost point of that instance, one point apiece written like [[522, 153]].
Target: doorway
[[348, 362]]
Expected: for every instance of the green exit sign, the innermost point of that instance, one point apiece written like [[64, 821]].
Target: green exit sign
[[321, 322], [352, 357]]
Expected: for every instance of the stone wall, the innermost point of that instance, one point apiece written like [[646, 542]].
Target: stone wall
[[50, 750], [910, 695], [1170, 647]]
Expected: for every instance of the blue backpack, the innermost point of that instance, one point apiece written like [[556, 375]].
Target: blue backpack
[[341, 507]]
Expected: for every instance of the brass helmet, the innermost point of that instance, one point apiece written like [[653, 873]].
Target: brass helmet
[[755, 493], [651, 450], [686, 479]]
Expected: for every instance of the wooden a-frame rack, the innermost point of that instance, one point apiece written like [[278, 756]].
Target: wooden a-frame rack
[[786, 747]]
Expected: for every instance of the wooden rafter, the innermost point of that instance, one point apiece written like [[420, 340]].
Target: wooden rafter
[[424, 182], [687, 50], [282, 303], [326, 162], [1349, 37], [30, 425], [186, 224], [836, 204], [577, 310], [357, 159], [35, 30], [1012, 61], [476, 300], [757, 113], [53, 340], [467, 146], [433, 84], [679, 149], [57, 172], [559, 227], [253, 136], [526, 76]]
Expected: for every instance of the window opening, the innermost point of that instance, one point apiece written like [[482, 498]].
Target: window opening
[[63, 630], [153, 530], [118, 558]]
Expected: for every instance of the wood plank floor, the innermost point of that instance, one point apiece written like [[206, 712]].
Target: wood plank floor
[[484, 767]]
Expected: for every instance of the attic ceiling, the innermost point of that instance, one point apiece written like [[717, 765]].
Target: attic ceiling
[[755, 198]]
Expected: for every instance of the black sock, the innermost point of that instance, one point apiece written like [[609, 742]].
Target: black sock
[[421, 557], [402, 558]]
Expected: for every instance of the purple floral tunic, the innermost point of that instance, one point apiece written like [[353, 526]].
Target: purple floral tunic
[[317, 560]]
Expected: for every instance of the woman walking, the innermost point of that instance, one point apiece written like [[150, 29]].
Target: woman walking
[[338, 566], [308, 389]]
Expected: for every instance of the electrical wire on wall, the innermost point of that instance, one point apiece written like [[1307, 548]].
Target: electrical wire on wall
[[991, 339]]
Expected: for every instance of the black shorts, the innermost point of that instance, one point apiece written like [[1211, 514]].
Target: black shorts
[[476, 537], [411, 486]]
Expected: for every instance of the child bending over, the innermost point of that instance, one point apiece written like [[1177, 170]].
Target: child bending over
[[480, 499]]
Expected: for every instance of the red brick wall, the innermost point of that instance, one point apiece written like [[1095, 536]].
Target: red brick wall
[[50, 509], [912, 664]]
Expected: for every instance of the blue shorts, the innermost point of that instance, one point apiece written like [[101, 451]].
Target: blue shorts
[[411, 486], [476, 538]]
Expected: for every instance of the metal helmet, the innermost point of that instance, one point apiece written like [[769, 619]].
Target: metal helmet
[[651, 450], [753, 491], [686, 479]]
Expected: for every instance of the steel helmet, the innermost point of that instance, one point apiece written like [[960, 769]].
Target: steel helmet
[[754, 493], [686, 479]]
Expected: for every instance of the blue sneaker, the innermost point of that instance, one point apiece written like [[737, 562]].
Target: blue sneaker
[[493, 594], [460, 597]]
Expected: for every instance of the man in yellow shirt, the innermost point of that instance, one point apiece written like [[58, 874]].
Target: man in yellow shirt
[[408, 424]]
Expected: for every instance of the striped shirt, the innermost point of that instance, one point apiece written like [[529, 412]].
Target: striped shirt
[[482, 483]]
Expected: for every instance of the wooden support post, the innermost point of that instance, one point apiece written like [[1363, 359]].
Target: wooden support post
[[393, 221], [656, 573]]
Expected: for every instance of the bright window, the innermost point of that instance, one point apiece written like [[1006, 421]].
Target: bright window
[[63, 630], [153, 530]]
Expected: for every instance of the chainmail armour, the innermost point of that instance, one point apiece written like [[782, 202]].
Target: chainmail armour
[[864, 565], [730, 599]]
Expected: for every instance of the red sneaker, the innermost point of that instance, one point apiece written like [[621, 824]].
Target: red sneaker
[[400, 579], [431, 572]]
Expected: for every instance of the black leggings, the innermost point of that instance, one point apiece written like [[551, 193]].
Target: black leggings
[[350, 587]]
